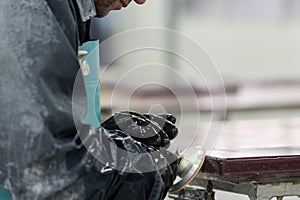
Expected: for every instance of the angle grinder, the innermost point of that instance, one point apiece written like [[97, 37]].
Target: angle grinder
[[191, 159]]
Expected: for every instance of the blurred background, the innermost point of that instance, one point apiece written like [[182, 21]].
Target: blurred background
[[254, 45]]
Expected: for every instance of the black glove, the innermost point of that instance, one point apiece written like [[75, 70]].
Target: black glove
[[155, 131], [149, 129]]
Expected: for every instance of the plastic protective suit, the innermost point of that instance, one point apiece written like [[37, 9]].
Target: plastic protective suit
[[41, 156]]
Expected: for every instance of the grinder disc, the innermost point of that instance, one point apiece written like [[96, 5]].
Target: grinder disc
[[189, 167]]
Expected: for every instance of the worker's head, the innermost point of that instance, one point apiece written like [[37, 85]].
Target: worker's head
[[104, 6]]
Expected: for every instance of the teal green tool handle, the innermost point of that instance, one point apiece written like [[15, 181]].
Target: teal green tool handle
[[92, 116], [90, 69]]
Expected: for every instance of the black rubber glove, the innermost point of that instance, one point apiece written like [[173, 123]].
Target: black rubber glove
[[149, 129], [155, 131]]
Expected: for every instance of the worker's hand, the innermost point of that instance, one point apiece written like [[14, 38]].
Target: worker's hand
[[149, 129], [155, 131]]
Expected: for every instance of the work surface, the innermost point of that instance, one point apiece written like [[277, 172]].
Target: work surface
[[253, 162], [249, 146], [260, 158], [256, 147]]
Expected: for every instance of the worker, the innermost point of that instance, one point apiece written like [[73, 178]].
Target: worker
[[41, 156]]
